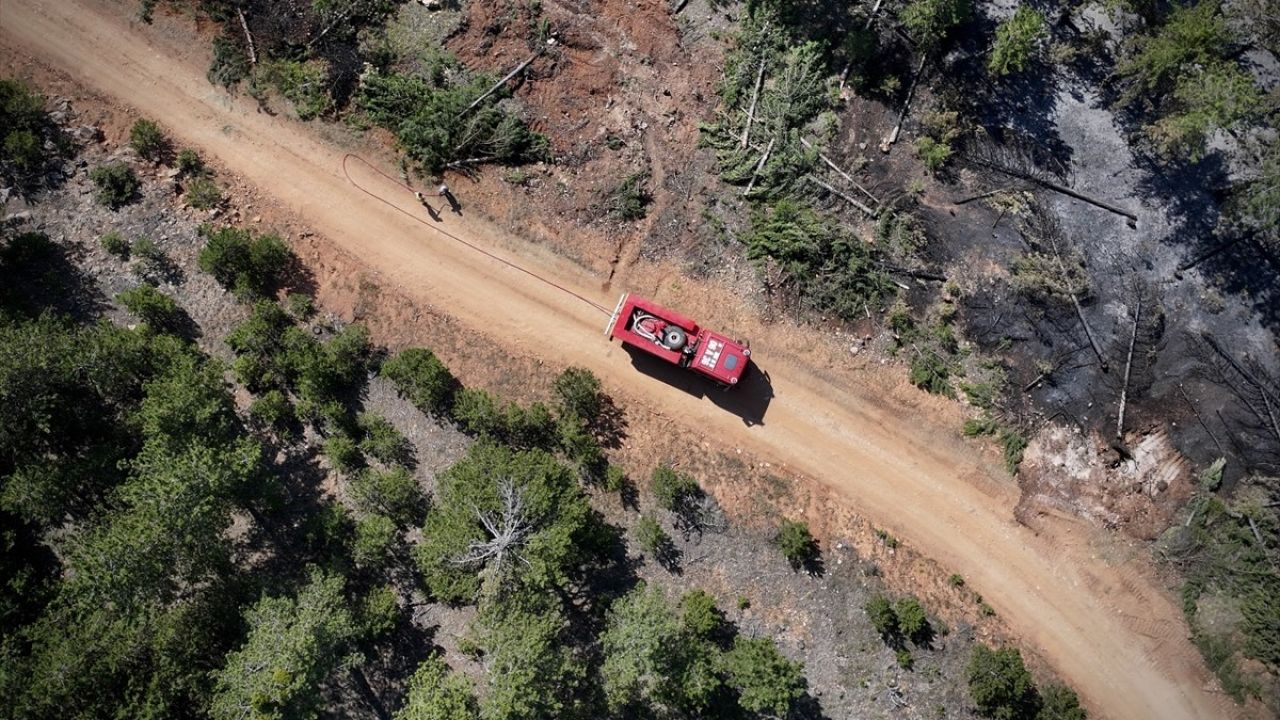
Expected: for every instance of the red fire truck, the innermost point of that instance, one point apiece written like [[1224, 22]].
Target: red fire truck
[[663, 333]]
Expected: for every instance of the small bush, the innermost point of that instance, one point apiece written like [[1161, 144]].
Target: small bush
[[1000, 684], [152, 307], [230, 62], [203, 193], [1014, 444], [273, 411], [305, 84], [912, 620], [578, 392], [146, 138], [375, 535], [615, 479], [251, 267], [956, 580], [672, 489], [1017, 41], [115, 245], [378, 611], [394, 493], [905, 661], [382, 441], [630, 200], [342, 453], [301, 306], [797, 543], [882, 616], [700, 616], [932, 153], [650, 535], [932, 373], [976, 427], [420, 376], [190, 163], [116, 184]]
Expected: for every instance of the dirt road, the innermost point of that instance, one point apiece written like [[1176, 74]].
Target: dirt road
[[1109, 630]]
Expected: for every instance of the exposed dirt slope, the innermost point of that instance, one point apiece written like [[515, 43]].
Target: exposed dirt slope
[[1107, 628]]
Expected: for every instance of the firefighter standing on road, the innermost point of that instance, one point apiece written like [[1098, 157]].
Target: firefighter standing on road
[[453, 202]]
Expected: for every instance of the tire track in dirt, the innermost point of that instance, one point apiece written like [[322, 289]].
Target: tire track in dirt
[[874, 442]]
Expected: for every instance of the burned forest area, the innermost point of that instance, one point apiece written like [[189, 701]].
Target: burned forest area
[[244, 474]]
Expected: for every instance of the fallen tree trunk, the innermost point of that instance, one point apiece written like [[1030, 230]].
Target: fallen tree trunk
[[906, 105], [764, 158], [248, 38], [500, 83], [1128, 366], [1060, 189], [751, 111], [842, 196], [839, 171]]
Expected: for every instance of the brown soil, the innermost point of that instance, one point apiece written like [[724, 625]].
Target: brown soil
[[871, 445]]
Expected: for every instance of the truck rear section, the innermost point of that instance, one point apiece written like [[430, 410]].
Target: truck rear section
[[668, 335]]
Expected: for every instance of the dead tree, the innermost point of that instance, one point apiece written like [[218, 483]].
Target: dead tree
[[1013, 160], [248, 37], [906, 106], [1128, 368], [1258, 395], [501, 82], [751, 111], [839, 171], [1045, 229], [508, 530]]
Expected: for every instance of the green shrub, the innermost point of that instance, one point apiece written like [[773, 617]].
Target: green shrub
[[430, 121], [230, 63], [930, 22], [273, 411], [116, 184], [1001, 686], [883, 618], [152, 307], [382, 441], [912, 620], [305, 84], [1017, 40], [301, 306], [931, 372], [905, 661], [203, 193], [578, 393], [420, 376], [115, 244], [23, 125], [251, 267], [956, 580], [190, 163], [932, 153], [375, 536], [700, 616], [1060, 703], [796, 543], [672, 489], [615, 478], [650, 535], [976, 427], [379, 611], [394, 493], [342, 453], [146, 138], [630, 199], [1014, 444]]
